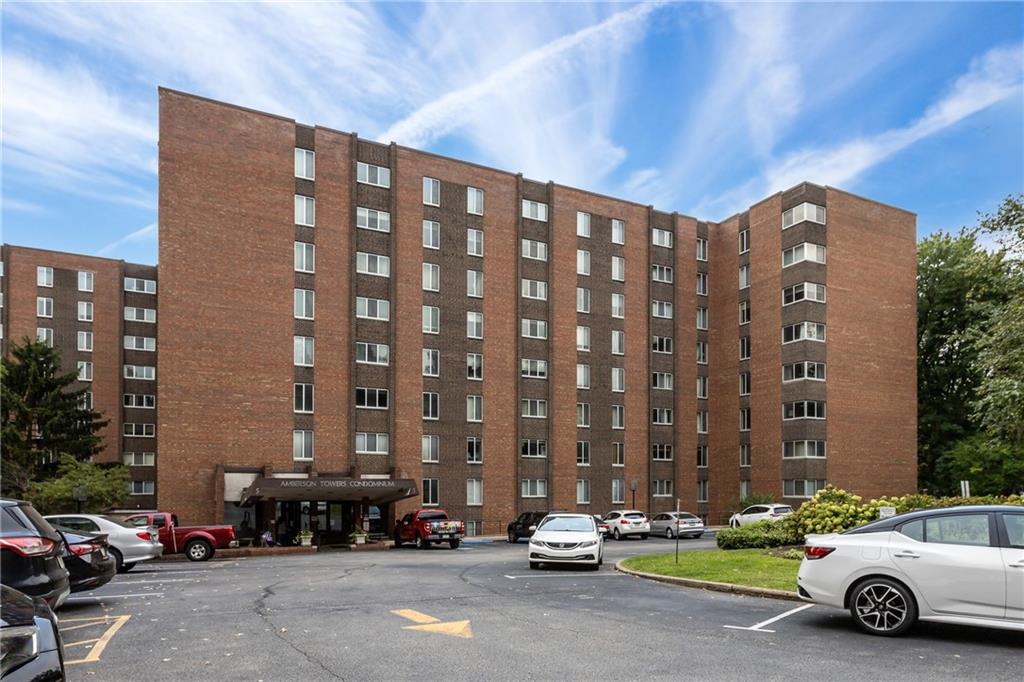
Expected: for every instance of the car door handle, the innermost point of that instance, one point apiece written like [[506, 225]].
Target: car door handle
[[906, 555], [1019, 564]]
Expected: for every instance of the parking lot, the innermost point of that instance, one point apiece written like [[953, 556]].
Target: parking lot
[[479, 613]]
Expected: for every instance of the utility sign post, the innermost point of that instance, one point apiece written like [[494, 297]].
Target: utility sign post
[[965, 488], [676, 522]]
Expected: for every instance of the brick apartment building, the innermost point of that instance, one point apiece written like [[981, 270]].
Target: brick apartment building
[[101, 315], [348, 323]]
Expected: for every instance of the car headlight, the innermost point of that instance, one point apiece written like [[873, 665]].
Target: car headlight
[[588, 543], [535, 541], [18, 645]]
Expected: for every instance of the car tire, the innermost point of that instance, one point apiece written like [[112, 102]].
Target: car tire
[[118, 559], [883, 607], [512, 537], [594, 567], [421, 543], [616, 534], [669, 534], [127, 567], [534, 565], [198, 550], [600, 559], [454, 544]]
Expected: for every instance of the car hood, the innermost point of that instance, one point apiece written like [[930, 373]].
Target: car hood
[[563, 536]]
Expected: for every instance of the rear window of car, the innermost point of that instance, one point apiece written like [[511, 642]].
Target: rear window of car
[[686, 516], [783, 510], [433, 516], [635, 515], [22, 517]]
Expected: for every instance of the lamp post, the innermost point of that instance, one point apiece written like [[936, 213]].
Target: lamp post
[[633, 487], [80, 496]]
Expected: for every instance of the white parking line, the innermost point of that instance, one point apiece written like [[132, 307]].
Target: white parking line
[[169, 580], [563, 575], [759, 627], [115, 596]]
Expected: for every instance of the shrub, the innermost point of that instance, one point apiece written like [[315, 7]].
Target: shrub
[[760, 535]]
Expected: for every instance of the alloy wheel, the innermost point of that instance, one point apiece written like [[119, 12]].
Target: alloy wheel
[[880, 607]]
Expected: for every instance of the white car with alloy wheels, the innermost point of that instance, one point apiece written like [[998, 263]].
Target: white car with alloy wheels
[[567, 539], [628, 522], [963, 565], [683, 524], [760, 512]]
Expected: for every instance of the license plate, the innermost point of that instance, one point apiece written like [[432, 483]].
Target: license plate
[[445, 535]]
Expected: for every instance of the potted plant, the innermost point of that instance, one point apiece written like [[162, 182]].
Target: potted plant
[[357, 536], [304, 538]]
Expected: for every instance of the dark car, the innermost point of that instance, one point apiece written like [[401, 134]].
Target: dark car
[[30, 553], [602, 525], [88, 559], [31, 641], [520, 528]]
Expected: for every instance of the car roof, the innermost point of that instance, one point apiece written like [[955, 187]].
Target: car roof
[[890, 523], [572, 514]]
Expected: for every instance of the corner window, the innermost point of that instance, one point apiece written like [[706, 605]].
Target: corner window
[[474, 201], [431, 192], [305, 210]]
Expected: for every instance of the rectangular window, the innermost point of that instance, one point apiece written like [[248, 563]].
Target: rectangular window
[[142, 487], [618, 491], [44, 307], [305, 164], [84, 371], [533, 448], [702, 249], [702, 387], [474, 366], [372, 353], [810, 331], [661, 415], [431, 405], [44, 277], [431, 319], [85, 341], [618, 454], [142, 401], [744, 312], [583, 338], [372, 219], [662, 488], [534, 487], [303, 400], [431, 495], [702, 352], [534, 409], [85, 281], [85, 311], [664, 273], [535, 210], [583, 376], [799, 449], [302, 355], [813, 371], [45, 335], [702, 491], [805, 211], [141, 372], [618, 417], [474, 408], [662, 381], [744, 241], [618, 380], [619, 306], [431, 362], [582, 300], [534, 329], [618, 342], [582, 262], [535, 289], [814, 253], [801, 487], [804, 291], [474, 325], [305, 210], [702, 318], [140, 314], [431, 192], [372, 443], [744, 383], [803, 409], [702, 284], [369, 174], [661, 344], [702, 456], [139, 285], [534, 369], [474, 450], [372, 398], [373, 308], [139, 459], [431, 234], [702, 421], [431, 279], [661, 452], [618, 231], [474, 284], [373, 264], [745, 455], [535, 250], [304, 299], [744, 419], [661, 238], [582, 224], [583, 415], [744, 276], [474, 201], [430, 449], [618, 269], [474, 492], [582, 491], [744, 348], [583, 453], [305, 258], [475, 243]]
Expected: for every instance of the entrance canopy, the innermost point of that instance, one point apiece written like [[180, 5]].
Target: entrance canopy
[[329, 489]]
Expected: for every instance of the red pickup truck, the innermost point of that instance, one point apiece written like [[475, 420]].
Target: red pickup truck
[[197, 542], [429, 526]]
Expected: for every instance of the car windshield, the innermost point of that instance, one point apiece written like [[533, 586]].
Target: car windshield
[[433, 516], [635, 515], [571, 524]]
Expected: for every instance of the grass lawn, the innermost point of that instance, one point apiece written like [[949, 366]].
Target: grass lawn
[[753, 567]]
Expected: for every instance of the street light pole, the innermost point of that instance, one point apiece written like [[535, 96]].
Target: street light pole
[[676, 521], [79, 494]]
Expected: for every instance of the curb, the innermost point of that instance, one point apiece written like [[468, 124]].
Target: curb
[[709, 585]]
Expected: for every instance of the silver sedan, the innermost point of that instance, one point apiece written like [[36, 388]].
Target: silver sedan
[[128, 544], [683, 524]]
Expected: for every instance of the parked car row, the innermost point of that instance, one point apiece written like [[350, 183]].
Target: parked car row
[[619, 524]]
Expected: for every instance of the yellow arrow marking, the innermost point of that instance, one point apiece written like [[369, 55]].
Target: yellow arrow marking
[[415, 616], [455, 628]]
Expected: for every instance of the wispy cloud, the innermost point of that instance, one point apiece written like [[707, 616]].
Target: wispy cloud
[[12, 204], [147, 233]]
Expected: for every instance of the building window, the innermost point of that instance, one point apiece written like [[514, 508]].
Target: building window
[[702, 352], [532, 447], [583, 453], [745, 455], [809, 331], [534, 487], [582, 262], [805, 291], [702, 318], [814, 253], [618, 269], [618, 491], [582, 224], [813, 371], [583, 338], [84, 371], [744, 276], [474, 408], [431, 279], [744, 419], [582, 491], [85, 281], [304, 299], [618, 380], [305, 210], [373, 264], [474, 528], [582, 300], [662, 381], [744, 348], [664, 273], [431, 319], [618, 342], [661, 344], [431, 405], [371, 219], [474, 366], [702, 284], [475, 243], [534, 329], [535, 210], [474, 284], [430, 449], [372, 398], [431, 362], [431, 192], [369, 174], [474, 325], [661, 238], [304, 257], [431, 234], [535, 250], [618, 231], [618, 417], [303, 398], [661, 452], [430, 492], [474, 201], [583, 376], [44, 307], [305, 164], [702, 456], [534, 409], [804, 409], [303, 351], [702, 249], [139, 285], [474, 451], [140, 314], [702, 491], [662, 487], [618, 454], [371, 443], [702, 387], [142, 488], [744, 241], [474, 492], [141, 372], [85, 311], [583, 415], [805, 211], [537, 290], [372, 353], [45, 335], [142, 401], [661, 416], [44, 277], [139, 459], [744, 312], [373, 308], [533, 369], [801, 487], [799, 449], [744, 383], [702, 421], [619, 306]]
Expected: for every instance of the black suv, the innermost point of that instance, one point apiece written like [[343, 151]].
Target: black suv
[[520, 528], [30, 553]]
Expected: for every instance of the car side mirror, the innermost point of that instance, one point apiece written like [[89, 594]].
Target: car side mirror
[[533, 528]]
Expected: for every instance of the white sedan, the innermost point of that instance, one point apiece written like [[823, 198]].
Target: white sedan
[[567, 539], [962, 565], [760, 512]]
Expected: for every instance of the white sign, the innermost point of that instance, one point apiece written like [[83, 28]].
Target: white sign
[[886, 512]]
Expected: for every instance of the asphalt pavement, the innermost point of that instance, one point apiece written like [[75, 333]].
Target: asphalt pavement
[[480, 613]]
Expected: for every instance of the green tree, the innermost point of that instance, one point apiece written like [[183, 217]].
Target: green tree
[[999, 403], [991, 466], [104, 486], [42, 417], [1007, 225]]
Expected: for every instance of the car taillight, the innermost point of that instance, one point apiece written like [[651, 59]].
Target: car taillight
[[812, 552], [143, 535], [79, 550], [624, 522], [28, 546]]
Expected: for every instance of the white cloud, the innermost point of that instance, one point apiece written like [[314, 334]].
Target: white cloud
[[21, 206], [147, 233]]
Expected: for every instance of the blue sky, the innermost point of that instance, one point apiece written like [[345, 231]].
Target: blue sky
[[699, 108]]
